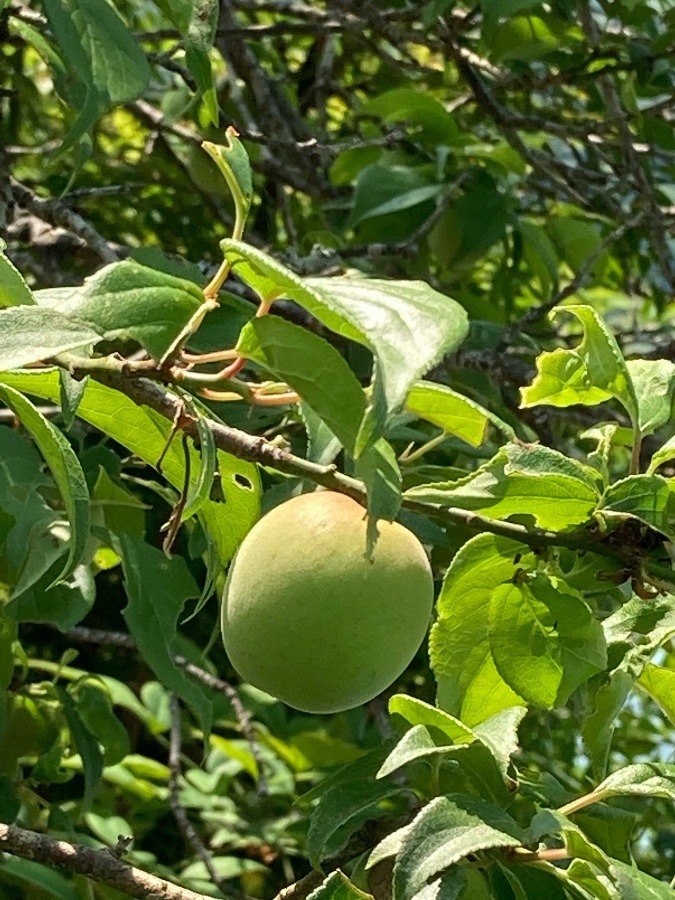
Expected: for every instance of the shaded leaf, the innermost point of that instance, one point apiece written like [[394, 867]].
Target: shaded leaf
[[102, 53], [65, 468], [145, 433], [312, 367], [157, 589], [608, 699]]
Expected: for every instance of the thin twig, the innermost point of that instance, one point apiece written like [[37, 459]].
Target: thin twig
[[57, 213], [179, 812], [120, 639], [101, 866]]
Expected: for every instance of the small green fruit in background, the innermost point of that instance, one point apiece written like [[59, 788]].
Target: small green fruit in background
[[309, 618]]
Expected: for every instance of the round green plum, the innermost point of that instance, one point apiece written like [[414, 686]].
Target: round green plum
[[311, 618]]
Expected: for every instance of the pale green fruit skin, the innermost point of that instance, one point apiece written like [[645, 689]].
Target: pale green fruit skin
[[308, 618]]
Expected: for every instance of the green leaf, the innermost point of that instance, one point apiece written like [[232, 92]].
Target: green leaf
[[65, 468], [545, 640], [13, 289], [235, 167], [94, 706], [643, 497], [31, 334], [157, 590], [128, 301], [659, 683], [524, 480], [417, 712], [200, 489], [416, 744], [454, 413], [654, 386], [499, 734], [337, 887], [591, 373], [379, 471], [447, 830], [663, 455], [429, 120], [146, 433], [32, 875], [407, 324], [523, 38], [101, 52], [199, 63], [201, 30], [598, 728], [312, 367], [71, 392], [382, 189], [87, 747], [643, 886], [340, 807], [641, 780], [459, 646]]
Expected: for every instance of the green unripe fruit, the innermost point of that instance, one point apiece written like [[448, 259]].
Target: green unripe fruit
[[309, 618]]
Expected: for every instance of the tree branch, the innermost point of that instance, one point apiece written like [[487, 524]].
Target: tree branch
[[101, 866]]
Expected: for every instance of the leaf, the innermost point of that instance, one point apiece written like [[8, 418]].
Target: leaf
[[31, 334], [598, 728], [157, 590], [644, 887], [87, 747], [591, 373], [444, 832], [499, 734], [642, 780], [378, 469], [545, 640], [382, 189], [13, 289], [101, 52], [70, 394], [407, 324], [663, 455], [417, 712], [415, 744], [200, 490], [448, 887], [643, 497], [522, 480], [129, 301], [94, 706], [313, 368], [339, 806], [642, 627], [65, 468], [659, 683], [146, 433], [455, 414], [50, 883], [235, 167], [654, 385], [337, 887], [459, 645], [427, 117]]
